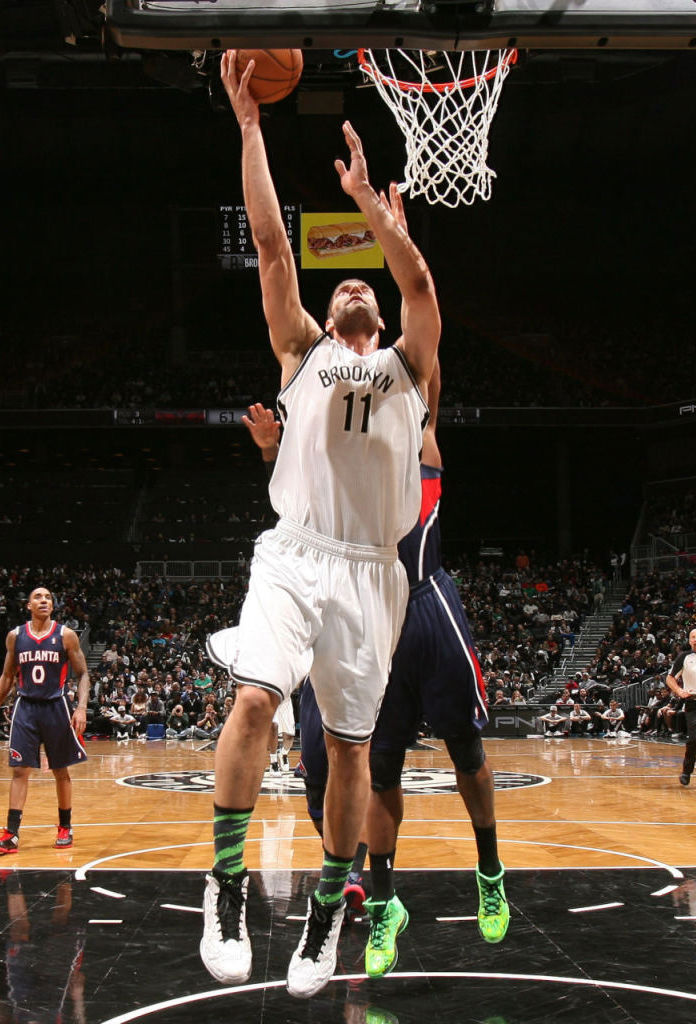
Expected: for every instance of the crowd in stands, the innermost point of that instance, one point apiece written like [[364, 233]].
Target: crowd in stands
[[70, 499], [647, 633], [204, 508], [649, 629], [499, 362], [523, 616], [671, 516], [155, 630]]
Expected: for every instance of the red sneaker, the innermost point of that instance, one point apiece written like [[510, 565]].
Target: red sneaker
[[354, 895], [64, 838], [9, 841]]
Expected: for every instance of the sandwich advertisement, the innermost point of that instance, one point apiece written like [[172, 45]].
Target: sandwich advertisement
[[338, 241]]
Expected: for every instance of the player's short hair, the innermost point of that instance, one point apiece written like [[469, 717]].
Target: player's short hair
[[40, 586]]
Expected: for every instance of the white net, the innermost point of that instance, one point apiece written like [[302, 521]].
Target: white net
[[444, 104]]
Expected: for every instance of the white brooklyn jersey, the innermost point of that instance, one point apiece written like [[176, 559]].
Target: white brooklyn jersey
[[348, 466]]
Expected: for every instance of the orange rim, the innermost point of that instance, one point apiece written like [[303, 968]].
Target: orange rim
[[466, 83]]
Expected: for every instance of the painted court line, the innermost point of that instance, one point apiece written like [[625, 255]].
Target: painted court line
[[472, 918], [598, 906], [598, 983]]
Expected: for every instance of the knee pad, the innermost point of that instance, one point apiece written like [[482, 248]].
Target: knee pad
[[385, 769], [467, 752]]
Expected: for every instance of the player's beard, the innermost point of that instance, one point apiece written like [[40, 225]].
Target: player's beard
[[357, 318]]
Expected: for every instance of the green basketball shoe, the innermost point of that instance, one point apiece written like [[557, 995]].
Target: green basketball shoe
[[376, 1015], [387, 919], [493, 911]]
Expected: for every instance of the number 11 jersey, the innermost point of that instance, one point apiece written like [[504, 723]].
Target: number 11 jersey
[[348, 466]]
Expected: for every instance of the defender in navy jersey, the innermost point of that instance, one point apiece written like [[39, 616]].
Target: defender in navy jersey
[[39, 655], [681, 680], [435, 675], [326, 580]]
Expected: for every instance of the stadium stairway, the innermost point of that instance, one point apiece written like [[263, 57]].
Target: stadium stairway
[[94, 657], [575, 658]]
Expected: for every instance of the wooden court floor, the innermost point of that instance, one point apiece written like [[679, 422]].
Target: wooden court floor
[[597, 837], [560, 803]]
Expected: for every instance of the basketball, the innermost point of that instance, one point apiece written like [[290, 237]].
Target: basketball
[[276, 74]]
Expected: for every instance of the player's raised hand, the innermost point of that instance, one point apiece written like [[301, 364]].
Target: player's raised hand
[[237, 88], [263, 427], [395, 205], [355, 177]]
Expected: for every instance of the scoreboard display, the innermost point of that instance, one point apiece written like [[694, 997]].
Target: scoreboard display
[[236, 250]]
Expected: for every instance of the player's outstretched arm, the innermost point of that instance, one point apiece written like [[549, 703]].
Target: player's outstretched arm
[[420, 315], [78, 662], [430, 453], [292, 330]]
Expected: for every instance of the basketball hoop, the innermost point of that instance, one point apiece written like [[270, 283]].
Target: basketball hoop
[[445, 123]]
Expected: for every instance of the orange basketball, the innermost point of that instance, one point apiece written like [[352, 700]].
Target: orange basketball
[[276, 74]]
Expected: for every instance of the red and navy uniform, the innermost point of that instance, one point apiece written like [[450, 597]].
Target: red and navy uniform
[[420, 549], [41, 714], [42, 663], [435, 673]]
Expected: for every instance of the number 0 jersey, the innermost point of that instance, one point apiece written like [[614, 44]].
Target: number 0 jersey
[[353, 430], [42, 663]]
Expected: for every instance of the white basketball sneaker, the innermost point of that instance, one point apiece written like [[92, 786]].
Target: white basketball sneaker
[[314, 961], [225, 947]]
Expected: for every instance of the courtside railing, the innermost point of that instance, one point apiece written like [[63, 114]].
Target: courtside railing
[[192, 570]]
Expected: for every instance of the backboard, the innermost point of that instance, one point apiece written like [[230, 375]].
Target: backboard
[[414, 24]]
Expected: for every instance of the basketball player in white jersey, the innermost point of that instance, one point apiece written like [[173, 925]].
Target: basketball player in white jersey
[[327, 579]]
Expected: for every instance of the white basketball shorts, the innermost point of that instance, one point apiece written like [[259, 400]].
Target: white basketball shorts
[[344, 603]]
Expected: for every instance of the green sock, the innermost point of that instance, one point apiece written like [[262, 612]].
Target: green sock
[[229, 834], [334, 874]]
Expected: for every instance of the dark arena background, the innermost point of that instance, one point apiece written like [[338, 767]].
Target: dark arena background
[[133, 340]]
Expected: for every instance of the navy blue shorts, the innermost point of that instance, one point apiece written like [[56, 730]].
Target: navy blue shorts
[[435, 674], [47, 722], [313, 753]]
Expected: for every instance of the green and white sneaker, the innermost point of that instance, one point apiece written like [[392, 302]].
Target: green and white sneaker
[[387, 919], [493, 911]]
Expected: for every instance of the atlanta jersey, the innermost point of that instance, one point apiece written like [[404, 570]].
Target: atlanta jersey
[[420, 550], [42, 662], [353, 430]]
